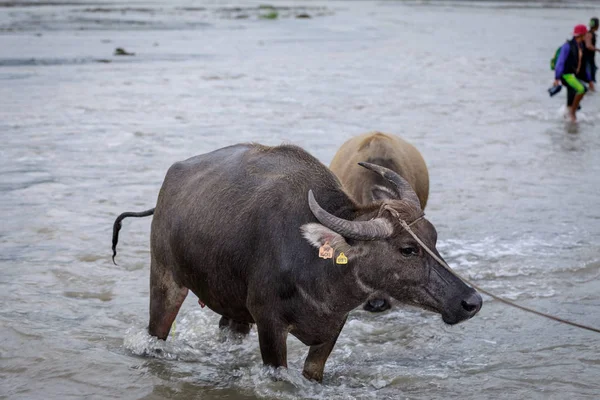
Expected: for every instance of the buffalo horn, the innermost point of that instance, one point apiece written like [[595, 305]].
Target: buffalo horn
[[403, 188], [376, 229]]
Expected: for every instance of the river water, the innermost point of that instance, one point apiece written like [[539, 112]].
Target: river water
[[86, 135]]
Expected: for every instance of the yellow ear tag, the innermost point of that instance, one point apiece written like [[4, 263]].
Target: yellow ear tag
[[173, 330], [341, 259], [326, 251]]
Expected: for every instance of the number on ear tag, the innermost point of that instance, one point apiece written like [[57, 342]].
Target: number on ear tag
[[341, 259], [326, 251]]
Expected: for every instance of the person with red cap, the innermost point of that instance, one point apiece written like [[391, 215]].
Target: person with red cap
[[570, 67]]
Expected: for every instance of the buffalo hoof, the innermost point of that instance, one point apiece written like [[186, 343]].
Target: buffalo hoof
[[377, 305]]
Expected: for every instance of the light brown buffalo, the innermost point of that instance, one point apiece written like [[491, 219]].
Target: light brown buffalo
[[383, 149], [389, 151]]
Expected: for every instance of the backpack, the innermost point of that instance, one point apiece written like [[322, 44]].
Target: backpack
[[555, 58]]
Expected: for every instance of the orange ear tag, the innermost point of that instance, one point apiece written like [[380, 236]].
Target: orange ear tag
[[326, 251], [341, 259]]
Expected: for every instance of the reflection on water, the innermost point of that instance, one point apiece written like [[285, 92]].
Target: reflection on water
[[566, 138], [573, 128], [87, 135]]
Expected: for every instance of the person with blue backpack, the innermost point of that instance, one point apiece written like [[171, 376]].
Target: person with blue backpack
[[571, 71]]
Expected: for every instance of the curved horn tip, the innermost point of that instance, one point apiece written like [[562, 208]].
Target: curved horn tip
[[379, 169], [404, 189]]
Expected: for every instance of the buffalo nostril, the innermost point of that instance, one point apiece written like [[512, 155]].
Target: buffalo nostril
[[468, 307], [472, 304]]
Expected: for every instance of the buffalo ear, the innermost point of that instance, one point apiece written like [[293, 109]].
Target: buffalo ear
[[317, 235]]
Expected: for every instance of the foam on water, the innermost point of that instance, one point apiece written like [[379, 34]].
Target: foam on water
[[362, 363], [214, 356]]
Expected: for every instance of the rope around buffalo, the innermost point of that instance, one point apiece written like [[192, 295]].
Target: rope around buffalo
[[477, 287]]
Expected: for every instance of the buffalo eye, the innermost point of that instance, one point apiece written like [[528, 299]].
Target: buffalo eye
[[409, 251]]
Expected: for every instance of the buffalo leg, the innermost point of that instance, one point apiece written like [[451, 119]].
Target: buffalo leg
[[314, 365], [224, 323], [166, 297], [273, 347]]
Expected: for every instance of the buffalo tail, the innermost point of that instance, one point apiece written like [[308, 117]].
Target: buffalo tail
[[117, 227]]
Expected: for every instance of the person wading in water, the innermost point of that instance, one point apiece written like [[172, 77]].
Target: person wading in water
[[589, 52], [570, 64]]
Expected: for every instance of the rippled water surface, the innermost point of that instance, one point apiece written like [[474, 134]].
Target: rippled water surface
[[86, 135]]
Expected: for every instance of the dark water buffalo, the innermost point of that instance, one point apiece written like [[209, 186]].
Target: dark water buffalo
[[241, 227], [389, 151]]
